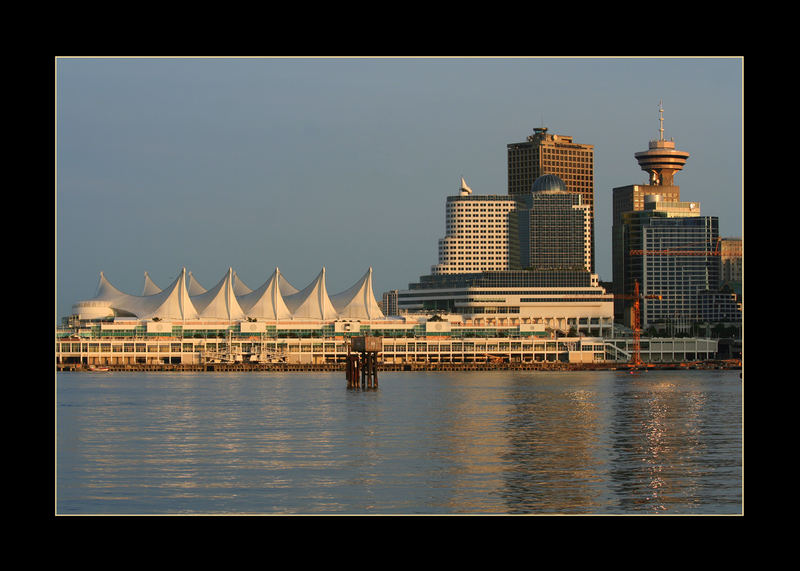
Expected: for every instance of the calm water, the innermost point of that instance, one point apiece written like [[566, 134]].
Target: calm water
[[428, 443]]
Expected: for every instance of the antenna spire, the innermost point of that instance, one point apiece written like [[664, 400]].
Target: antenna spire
[[660, 120]]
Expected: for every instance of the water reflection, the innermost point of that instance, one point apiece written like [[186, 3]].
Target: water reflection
[[534, 443], [662, 461], [553, 448]]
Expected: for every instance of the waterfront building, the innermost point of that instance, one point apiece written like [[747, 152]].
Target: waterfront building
[[552, 301], [476, 233], [186, 325], [133, 348], [278, 323], [548, 153]]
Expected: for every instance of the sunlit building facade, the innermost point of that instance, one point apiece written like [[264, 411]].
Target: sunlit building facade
[[545, 153], [538, 280], [476, 233]]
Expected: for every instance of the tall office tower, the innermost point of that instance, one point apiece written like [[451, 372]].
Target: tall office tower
[[672, 256], [553, 228], [661, 161], [544, 153], [477, 233]]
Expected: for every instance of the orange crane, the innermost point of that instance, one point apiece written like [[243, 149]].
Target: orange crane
[[636, 359]]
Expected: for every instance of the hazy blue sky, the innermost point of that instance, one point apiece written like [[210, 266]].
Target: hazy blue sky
[[255, 163]]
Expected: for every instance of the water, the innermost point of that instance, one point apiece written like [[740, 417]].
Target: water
[[666, 442]]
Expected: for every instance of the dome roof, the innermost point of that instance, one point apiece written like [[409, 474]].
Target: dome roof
[[548, 182]]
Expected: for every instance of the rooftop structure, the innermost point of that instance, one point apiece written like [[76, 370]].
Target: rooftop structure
[[231, 300], [662, 160]]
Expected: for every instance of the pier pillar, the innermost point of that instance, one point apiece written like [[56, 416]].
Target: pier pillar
[[363, 362]]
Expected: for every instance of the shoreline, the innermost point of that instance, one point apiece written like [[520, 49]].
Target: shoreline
[[392, 367]]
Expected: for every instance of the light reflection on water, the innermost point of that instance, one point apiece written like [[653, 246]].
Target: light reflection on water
[[423, 443]]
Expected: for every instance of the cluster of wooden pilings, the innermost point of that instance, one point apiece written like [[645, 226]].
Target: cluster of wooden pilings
[[362, 370]]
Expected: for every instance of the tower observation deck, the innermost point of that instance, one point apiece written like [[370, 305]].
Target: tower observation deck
[[661, 161]]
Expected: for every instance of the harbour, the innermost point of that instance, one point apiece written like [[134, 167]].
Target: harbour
[[268, 333]]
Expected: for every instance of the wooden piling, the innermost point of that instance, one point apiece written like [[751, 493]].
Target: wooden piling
[[363, 362]]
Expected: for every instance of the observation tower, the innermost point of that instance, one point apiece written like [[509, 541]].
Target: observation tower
[[661, 161]]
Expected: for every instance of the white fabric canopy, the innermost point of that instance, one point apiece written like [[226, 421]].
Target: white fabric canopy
[[231, 300], [219, 302], [170, 303], [194, 286], [149, 287], [266, 302], [312, 302], [358, 302]]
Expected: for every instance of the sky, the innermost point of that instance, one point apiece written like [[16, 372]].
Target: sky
[[346, 163]]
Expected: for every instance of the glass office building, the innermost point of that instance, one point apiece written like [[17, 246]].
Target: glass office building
[[553, 227], [676, 263], [548, 153]]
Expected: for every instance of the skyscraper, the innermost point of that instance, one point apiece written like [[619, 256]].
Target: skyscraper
[[670, 251], [661, 161], [476, 233], [553, 228], [544, 153]]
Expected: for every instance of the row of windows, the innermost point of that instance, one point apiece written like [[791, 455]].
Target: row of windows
[[460, 227], [458, 295], [493, 259]]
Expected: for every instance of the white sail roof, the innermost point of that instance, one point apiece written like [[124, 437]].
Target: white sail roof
[[220, 301], [171, 303], [239, 287], [358, 302], [266, 302], [312, 302], [149, 287], [232, 300], [194, 286], [285, 287], [106, 291]]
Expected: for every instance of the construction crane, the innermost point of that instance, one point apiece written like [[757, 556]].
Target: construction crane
[[636, 358]]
